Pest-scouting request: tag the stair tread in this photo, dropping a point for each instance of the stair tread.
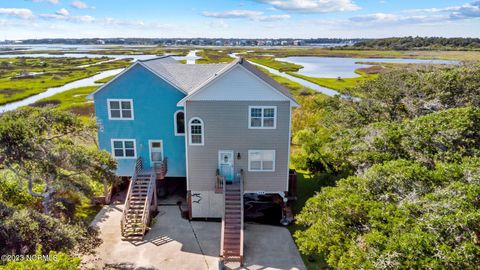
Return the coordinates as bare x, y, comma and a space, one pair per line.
231, 242
230, 251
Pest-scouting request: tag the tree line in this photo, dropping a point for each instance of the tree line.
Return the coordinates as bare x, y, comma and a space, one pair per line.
418, 43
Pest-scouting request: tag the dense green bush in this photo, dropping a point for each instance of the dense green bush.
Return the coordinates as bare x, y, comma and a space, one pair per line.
401, 214
14, 193
22, 231
445, 136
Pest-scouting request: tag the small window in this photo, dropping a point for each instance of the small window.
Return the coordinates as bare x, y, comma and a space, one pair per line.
120, 109
179, 121
261, 160
123, 148
262, 117
196, 131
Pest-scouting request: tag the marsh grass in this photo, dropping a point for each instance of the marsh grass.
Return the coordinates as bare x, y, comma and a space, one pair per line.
275, 64
74, 100
46, 73
340, 84
210, 56
328, 52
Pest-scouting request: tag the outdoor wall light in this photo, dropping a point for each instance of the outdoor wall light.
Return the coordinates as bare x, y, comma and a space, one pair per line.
238, 155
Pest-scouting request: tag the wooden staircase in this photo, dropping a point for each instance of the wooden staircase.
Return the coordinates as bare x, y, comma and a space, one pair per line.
232, 222
140, 203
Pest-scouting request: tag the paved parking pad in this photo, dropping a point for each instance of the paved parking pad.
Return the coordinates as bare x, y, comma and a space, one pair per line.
177, 244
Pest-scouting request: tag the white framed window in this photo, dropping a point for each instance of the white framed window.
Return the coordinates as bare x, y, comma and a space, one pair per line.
124, 148
179, 123
156, 150
196, 131
262, 117
120, 109
261, 160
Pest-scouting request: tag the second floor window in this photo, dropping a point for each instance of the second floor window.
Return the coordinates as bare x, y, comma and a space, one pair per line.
196, 131
262, 117
120, 109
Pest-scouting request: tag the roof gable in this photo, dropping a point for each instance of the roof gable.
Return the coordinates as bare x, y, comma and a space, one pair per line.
136, 64
240, 81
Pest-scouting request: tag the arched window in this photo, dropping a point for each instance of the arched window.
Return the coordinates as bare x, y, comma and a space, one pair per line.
179, 120
196, 131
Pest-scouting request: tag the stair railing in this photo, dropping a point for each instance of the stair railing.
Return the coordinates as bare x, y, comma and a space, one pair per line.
223, 184
148, 202
161, 168
219, 182
138, 168
241, 216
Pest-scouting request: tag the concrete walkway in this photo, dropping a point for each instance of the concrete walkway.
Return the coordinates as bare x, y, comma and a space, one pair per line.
176, 243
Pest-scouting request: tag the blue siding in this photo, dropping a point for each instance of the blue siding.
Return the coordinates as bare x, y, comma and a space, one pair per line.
154, 103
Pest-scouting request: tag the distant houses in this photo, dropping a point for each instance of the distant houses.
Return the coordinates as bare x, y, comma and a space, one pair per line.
227, 42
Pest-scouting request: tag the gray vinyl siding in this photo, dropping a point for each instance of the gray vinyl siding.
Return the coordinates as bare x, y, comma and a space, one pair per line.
226, 128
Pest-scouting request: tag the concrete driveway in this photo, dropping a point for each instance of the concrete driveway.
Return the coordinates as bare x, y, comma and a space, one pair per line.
176, 243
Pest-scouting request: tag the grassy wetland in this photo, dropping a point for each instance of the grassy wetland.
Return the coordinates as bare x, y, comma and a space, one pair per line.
24, 77
74, 100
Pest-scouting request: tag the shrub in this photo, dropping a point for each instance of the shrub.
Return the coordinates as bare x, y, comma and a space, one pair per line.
22, 231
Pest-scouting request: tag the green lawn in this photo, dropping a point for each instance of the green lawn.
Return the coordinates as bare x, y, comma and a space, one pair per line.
51, 72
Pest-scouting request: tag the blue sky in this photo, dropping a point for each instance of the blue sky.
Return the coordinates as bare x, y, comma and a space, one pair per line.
20, 19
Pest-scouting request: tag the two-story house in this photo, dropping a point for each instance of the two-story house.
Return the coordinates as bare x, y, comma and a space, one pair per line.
223, 128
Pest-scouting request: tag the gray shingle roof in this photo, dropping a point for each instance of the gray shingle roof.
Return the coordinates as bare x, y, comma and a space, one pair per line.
191, 78
185, 77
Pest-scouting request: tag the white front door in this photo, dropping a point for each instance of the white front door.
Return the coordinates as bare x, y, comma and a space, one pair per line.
156, 151
225, 164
